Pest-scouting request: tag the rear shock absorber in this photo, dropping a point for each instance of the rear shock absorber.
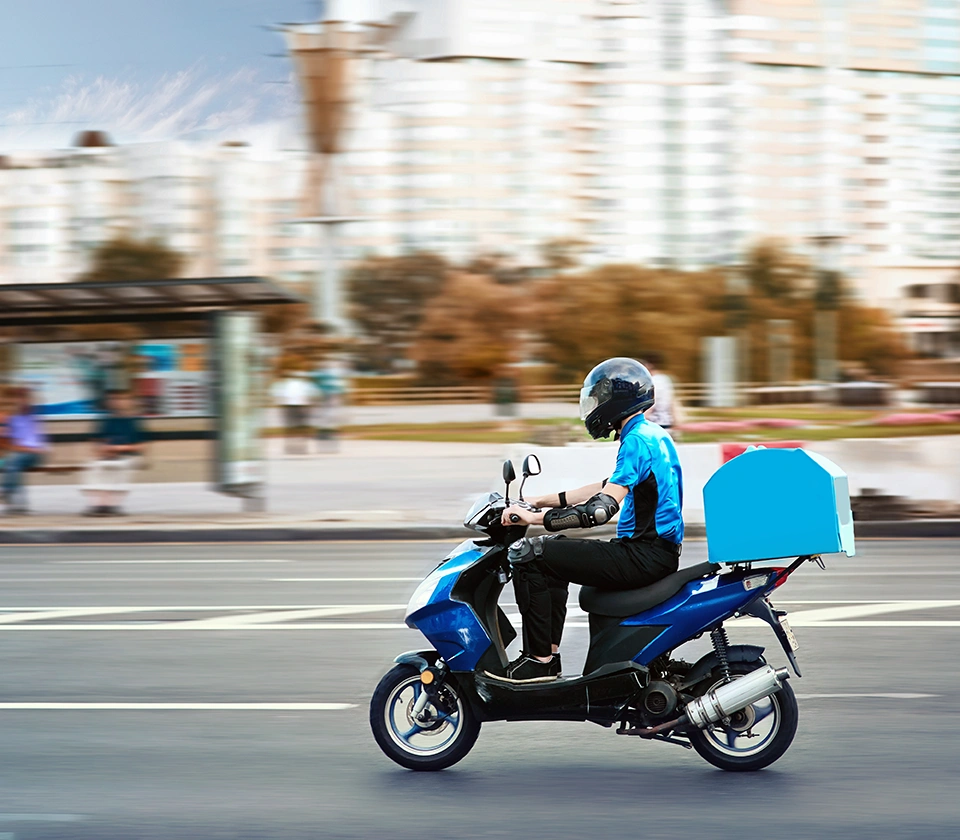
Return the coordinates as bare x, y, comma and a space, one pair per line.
720, 644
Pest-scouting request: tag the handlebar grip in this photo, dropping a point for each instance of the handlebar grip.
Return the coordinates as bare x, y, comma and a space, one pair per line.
514, 517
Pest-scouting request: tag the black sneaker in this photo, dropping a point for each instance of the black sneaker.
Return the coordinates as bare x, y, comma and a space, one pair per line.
527, 669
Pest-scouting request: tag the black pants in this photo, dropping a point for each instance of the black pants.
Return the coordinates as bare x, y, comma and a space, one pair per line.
541, 585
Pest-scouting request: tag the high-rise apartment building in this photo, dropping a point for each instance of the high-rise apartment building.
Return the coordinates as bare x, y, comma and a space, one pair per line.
678, 132
654, 131
230, 210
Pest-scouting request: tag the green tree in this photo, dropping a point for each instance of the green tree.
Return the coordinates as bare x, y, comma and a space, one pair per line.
387, 297
124, 259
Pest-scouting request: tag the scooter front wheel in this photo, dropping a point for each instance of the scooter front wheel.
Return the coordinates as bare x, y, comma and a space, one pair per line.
444, 731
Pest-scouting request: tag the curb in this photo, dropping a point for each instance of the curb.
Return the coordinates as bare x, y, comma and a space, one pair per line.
905, 529
227, 534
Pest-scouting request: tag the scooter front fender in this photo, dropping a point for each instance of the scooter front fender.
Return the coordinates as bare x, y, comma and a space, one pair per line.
420, 659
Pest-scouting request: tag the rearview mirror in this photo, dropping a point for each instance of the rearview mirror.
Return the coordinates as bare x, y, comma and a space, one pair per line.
531, 465
509, 474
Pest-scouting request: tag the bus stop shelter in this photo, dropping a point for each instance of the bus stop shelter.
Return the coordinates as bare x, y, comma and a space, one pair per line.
225, 311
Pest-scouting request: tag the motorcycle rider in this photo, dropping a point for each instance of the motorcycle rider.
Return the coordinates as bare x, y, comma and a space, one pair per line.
646, 487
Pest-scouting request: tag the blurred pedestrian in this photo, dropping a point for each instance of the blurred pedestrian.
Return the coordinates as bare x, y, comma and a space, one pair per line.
118, 441
665, 410
295, 395
329, 385
26, 447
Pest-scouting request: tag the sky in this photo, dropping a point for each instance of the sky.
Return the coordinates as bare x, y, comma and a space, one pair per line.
147, 70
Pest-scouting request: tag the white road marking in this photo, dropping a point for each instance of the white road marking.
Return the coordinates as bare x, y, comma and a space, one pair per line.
40, 818
304, 616
179, 707
174, 626
863, 610
345, 580
199, 608
237, 622
164, 562
868, 696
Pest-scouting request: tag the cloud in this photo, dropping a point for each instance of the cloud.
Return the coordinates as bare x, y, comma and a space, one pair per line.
191, 103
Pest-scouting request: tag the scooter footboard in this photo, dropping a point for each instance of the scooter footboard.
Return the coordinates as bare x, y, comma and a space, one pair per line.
599, 699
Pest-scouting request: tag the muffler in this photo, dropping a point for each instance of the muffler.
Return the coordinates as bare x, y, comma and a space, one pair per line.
731, 697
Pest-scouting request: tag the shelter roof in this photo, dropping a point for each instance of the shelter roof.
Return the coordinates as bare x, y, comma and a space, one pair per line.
22, 304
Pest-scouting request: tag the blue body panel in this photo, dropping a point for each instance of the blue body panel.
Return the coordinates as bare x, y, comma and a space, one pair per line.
701, 604
457, 634
451, 626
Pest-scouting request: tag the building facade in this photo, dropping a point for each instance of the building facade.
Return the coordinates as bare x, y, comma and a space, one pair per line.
663, 132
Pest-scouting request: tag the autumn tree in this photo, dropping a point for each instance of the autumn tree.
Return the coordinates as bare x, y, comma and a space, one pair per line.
387, 296
869, 336
772, 271
626, 310
562, 253
124, 259
468, 332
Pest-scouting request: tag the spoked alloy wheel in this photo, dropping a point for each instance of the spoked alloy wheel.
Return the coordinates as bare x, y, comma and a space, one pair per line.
441, 737
755, 736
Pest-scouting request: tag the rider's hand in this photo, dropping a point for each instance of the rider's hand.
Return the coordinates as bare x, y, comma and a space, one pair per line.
526, 517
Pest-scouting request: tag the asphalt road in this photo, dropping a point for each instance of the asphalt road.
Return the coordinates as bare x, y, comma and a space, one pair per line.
229, 636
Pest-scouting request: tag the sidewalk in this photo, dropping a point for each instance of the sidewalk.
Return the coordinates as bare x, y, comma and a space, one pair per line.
364, 486
364, 490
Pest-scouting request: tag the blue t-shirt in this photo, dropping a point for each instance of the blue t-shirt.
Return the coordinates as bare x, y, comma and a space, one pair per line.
648, 465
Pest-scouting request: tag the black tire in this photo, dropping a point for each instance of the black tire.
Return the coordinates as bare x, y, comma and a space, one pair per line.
786, 716
388, 700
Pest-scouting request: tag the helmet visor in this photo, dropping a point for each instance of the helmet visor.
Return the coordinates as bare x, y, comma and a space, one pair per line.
588, 402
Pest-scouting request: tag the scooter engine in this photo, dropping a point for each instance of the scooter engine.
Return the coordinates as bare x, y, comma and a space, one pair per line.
659, 699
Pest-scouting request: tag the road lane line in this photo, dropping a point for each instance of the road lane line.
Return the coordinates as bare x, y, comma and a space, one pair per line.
200, 608
186, 626
162, 562
864, 610
40, 818
178, 707
234, 622
879, 696
345, 580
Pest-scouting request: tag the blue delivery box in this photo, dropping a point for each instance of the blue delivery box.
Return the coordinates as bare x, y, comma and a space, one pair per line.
775, 503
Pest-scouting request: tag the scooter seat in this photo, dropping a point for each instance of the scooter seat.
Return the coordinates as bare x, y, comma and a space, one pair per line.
621, 603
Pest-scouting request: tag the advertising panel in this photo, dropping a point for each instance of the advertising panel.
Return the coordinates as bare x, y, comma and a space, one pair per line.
240, 401
169, 378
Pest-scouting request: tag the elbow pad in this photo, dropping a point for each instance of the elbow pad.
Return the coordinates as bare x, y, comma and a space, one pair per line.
597, 510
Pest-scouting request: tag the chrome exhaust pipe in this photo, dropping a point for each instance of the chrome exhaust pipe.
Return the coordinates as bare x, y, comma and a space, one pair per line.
731, 697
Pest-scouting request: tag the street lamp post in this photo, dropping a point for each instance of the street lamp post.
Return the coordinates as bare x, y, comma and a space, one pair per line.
325, 56
826, 302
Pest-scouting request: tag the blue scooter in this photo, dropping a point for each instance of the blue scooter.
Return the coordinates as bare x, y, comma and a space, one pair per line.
735, 710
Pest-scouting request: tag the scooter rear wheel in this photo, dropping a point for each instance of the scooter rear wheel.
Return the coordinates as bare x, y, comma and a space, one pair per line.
441, 739
757, 736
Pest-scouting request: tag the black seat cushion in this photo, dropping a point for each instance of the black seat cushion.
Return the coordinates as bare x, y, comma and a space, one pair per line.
619, 604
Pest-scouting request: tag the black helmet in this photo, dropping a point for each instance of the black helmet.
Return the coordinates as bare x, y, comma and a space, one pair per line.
613, 390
